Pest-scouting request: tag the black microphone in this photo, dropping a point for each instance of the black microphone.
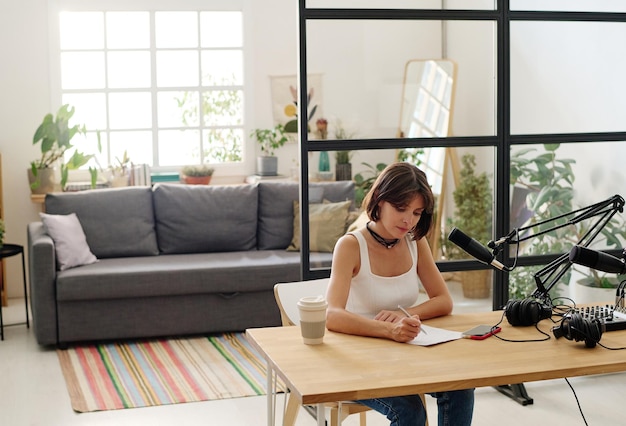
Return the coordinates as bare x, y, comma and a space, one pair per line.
474, 248
597, 260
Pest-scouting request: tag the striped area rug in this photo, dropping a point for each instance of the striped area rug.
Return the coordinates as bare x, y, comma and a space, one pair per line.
158, 372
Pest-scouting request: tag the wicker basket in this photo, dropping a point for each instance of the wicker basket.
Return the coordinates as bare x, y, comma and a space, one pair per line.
476, 284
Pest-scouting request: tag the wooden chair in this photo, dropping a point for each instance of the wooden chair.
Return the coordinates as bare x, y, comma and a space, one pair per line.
287, 296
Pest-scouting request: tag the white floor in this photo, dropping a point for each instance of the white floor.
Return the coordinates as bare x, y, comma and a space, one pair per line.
33, 393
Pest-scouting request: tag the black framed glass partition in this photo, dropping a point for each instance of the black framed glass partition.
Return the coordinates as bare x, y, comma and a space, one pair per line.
521, 82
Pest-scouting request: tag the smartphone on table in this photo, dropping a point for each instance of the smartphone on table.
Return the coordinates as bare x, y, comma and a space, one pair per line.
480, 332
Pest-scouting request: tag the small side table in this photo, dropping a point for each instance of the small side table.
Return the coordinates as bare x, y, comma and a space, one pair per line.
8, 250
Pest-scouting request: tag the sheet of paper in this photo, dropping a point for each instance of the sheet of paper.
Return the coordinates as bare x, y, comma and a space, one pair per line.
434, 336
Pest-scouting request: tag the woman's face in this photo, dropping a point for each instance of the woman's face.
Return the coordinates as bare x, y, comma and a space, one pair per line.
399, 220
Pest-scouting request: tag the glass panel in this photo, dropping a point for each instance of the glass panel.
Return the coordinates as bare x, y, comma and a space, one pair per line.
569, 5
130, 110
178, 147
221, 29
223, 145
403, 4
185, 35
222, 107
81, 30
566, 77
222, 67
129, 69
138, 145
82, 70
553, 180
128, 30
177, 68
177, 109
90, 109
356, 57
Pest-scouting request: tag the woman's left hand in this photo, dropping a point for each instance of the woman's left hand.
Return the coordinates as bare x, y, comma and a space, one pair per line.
389, 316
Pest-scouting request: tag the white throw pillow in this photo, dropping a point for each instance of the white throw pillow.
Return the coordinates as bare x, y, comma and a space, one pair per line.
69, 240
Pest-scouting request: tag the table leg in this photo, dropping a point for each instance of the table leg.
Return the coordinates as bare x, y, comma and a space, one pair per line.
321, 415
271, 395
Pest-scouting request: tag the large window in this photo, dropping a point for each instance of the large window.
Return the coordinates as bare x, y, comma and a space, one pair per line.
166, 86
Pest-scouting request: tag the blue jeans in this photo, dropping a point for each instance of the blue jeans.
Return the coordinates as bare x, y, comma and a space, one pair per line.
455, 408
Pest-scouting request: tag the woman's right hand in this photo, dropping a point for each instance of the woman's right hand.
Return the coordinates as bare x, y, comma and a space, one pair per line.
406, 329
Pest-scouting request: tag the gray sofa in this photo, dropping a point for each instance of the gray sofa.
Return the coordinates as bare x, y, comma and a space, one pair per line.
172, 260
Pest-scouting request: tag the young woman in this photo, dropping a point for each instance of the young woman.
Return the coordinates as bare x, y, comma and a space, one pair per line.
378, 268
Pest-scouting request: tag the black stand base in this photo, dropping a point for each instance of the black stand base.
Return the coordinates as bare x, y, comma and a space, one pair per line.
516, 392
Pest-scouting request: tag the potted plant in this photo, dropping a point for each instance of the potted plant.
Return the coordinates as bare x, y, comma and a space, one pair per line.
343, 166
197, 174
120, 171
55, 135
269, 140
473, 216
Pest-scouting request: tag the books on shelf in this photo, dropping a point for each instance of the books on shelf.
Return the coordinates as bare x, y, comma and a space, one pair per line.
140, 175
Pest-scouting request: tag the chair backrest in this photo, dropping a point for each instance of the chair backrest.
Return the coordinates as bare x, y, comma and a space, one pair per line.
288, 294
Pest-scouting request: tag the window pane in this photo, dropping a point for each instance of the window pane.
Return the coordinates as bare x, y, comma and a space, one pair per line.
176, 29
90, 109
566, 77
577, 6
130, 110
223, 145
129, 69
177, 109
179, 147
81, 30
221, 29
222, 107
222, 67
138, 145
356, 57
84, 70
177, 68
128, 30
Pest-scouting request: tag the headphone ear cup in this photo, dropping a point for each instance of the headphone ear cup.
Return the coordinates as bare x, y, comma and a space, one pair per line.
511, 311
575, 327
526, 312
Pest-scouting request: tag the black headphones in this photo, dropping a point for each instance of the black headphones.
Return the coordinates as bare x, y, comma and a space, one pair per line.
575, 327
526, 312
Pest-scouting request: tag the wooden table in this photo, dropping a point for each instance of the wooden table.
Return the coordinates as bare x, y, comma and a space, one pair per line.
349, 367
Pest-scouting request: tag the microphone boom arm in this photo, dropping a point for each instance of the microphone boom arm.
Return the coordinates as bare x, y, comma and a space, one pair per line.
553, 271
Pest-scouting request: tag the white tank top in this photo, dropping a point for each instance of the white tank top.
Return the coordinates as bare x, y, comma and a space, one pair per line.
369, 293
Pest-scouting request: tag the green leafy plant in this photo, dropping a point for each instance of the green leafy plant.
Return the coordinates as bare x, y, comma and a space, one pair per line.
363, 181
270, 139
474, 206
55, 135
343, 157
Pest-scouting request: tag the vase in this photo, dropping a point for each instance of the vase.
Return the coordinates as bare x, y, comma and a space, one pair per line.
267, 166
44, 182
324, 162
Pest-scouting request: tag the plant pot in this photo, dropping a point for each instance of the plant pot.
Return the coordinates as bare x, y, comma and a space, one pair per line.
584, 292
119, 181
44, 182
343, 171
267, 166
197, 180
476, 284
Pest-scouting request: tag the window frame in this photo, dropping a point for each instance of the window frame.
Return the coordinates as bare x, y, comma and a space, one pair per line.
56, 93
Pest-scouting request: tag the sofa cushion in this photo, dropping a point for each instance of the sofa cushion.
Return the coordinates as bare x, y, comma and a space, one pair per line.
276, 208
70, 243
205, 219
117, 222
327, 223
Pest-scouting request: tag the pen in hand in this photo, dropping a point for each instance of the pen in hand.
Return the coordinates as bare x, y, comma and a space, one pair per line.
409, 316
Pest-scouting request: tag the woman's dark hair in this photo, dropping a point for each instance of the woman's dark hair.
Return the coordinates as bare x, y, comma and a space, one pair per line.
398, 184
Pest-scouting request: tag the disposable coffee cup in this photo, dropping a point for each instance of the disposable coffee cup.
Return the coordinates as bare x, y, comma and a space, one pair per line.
313, 319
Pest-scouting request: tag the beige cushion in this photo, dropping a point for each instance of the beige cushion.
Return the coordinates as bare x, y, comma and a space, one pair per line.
327, 223
359, 222
69, 239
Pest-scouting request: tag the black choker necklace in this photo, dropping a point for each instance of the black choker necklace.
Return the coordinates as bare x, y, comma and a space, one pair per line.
387, 243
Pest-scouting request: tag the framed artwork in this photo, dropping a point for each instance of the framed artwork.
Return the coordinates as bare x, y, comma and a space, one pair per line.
285, 100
